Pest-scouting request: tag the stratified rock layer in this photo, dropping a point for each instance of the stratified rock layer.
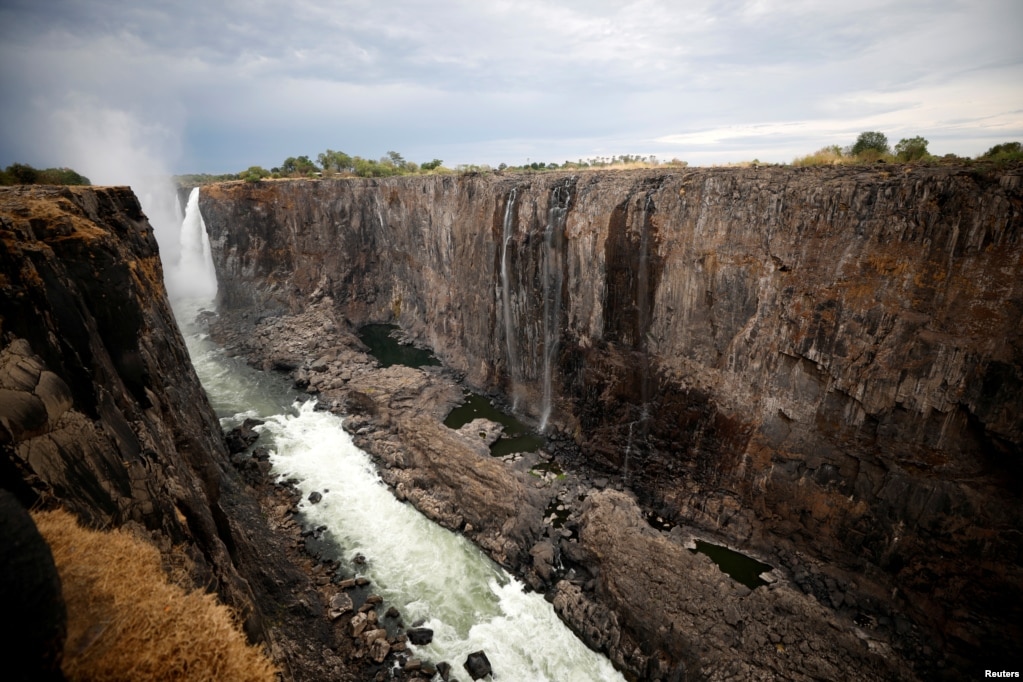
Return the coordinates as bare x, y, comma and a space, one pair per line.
826, 362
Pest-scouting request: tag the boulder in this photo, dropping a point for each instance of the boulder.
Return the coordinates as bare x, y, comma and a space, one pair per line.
359, 622
420, 636
477, 665
340, 604
378, 649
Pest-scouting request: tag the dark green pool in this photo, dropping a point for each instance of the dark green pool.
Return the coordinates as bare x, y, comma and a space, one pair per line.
517, 437
385, 347
739, 566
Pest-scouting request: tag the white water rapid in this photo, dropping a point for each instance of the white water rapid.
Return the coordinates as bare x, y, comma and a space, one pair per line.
425, 571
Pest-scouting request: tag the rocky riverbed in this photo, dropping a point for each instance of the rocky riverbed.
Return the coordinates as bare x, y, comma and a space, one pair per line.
635, 592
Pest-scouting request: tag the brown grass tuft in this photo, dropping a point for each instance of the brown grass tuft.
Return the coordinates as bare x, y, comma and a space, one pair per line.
127, 622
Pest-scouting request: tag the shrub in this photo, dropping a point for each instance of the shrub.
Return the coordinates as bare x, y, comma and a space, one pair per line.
127, 622
254, 174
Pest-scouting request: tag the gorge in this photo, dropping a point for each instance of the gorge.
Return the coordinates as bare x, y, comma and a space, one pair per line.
821, 367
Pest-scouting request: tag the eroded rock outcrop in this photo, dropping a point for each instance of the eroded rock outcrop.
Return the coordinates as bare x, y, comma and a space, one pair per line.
816, 362
102, 414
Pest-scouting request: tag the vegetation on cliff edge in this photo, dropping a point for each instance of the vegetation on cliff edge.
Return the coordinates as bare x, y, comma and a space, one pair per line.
24, 174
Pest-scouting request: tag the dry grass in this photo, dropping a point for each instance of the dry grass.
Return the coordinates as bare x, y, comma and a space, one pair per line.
127, 622
827, 156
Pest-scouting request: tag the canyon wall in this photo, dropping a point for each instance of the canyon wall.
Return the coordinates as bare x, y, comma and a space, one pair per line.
101, 412
820, 362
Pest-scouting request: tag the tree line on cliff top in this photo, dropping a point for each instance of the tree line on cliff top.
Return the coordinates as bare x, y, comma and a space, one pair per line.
332, 163
24, 174
869, 147
872, 146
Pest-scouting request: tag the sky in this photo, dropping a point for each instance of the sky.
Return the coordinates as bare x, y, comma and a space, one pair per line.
113, 88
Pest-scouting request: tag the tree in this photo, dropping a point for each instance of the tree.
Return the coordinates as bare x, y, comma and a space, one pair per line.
23, 174
431, 165
870, 141
338, 162
397, 160
300, 166
911, 149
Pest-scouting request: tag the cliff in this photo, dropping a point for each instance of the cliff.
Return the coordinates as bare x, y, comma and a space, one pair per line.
102, 414
821, 362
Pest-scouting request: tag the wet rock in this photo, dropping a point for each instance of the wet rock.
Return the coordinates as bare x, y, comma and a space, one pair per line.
241, 437
420, 636
444, 670
315, 497
477, 665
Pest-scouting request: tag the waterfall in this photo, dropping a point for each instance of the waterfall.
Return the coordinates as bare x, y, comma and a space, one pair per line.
554, 237
509, 329
192, 276
643, 304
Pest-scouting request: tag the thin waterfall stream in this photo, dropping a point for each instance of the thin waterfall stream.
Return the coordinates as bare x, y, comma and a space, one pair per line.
427, 572
554, 237
509, 325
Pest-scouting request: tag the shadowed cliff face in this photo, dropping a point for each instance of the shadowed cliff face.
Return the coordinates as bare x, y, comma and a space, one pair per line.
102, 414
824, 360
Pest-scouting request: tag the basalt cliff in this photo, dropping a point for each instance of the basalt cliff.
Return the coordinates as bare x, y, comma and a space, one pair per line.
101, 414
823, 366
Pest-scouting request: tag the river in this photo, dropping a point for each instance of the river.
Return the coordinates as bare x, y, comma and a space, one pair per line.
427, 572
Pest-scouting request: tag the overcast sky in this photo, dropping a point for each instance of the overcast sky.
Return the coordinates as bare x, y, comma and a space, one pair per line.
217, 86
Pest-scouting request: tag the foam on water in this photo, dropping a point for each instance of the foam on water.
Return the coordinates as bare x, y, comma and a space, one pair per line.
426, 571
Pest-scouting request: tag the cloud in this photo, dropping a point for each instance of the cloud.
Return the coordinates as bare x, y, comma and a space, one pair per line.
250, 83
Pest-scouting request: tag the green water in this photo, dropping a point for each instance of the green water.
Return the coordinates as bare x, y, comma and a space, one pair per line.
739, 566
517, 437
386, 349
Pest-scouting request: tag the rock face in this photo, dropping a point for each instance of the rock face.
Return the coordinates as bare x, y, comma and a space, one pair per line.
812, 362
101, 412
